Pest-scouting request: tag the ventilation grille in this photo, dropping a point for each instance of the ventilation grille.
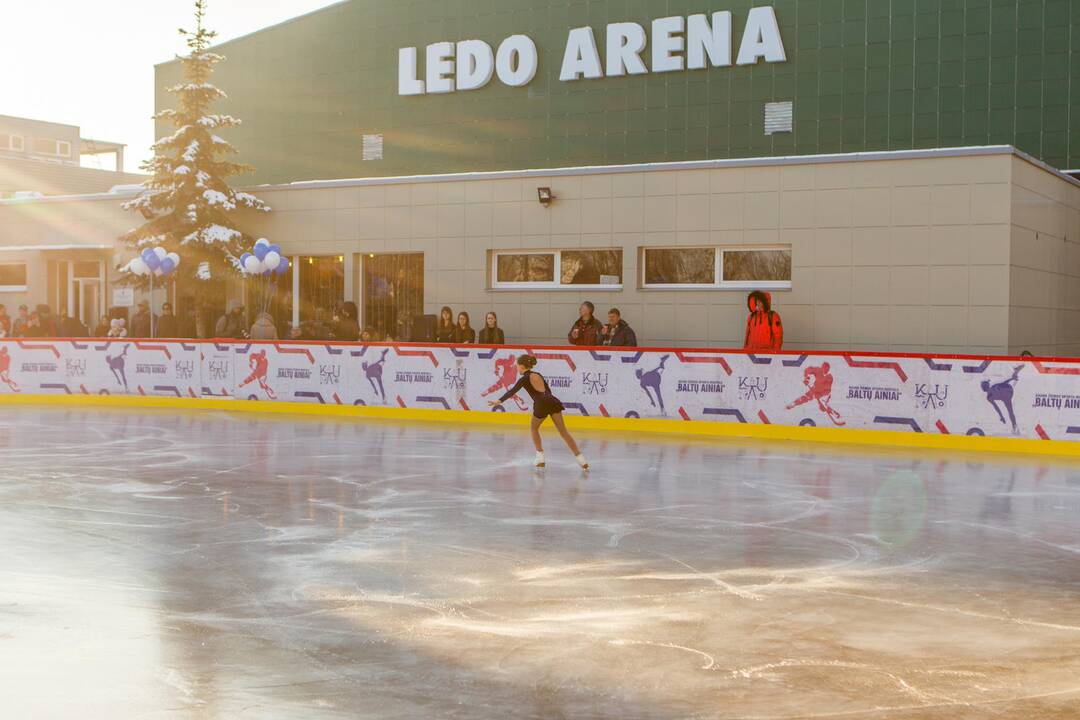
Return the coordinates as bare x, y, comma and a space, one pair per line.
779, 117
373, 147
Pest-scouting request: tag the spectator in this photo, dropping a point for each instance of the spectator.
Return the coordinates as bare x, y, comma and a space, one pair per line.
369, 335
5, 323
34, 328
167, 324
186, 324
18, 327
142, 321
48, 321
264, 328
117, 329
231, 324
764, 331
464, 333
348, 327
585, 331
102, 329
617, 333
492, 334
445, 331
71, 327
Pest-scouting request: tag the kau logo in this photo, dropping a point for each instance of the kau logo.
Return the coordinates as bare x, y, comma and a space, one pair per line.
329, 374
931, 397
455, 378
185, 369
218, 369
751, 388
76, 367
595, 383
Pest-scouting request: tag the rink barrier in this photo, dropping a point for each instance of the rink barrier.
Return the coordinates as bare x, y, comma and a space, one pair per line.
938, 402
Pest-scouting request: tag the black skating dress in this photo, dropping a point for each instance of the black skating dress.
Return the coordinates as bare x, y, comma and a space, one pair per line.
544, 403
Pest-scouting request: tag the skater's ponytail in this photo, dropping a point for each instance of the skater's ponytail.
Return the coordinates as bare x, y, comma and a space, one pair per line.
527, 361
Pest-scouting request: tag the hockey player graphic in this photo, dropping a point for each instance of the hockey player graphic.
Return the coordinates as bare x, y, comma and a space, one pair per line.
507, 373
5, 368
819, 383
260, 366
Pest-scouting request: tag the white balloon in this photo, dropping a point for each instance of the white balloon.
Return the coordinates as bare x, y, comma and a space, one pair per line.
272, 260
138, 267
158, 273
175, 259
161, 253
253, 265
262, 241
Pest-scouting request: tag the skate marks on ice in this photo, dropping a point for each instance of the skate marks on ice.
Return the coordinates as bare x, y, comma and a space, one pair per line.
311, 569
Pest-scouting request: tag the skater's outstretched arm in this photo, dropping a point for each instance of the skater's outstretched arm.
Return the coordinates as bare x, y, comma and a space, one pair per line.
512, 391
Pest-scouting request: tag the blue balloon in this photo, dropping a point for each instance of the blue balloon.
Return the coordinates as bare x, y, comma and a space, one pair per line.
167, 266
274, 248
151, 259
283, 267
243, 258
261, 250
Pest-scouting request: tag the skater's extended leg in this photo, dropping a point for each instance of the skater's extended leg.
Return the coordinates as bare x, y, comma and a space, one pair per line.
560, 425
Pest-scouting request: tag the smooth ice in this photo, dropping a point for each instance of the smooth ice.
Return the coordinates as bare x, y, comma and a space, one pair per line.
155, 565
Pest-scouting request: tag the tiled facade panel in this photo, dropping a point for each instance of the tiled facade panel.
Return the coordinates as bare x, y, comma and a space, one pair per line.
863, 74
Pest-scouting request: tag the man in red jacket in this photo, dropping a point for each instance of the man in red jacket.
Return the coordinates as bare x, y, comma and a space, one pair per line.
764, 331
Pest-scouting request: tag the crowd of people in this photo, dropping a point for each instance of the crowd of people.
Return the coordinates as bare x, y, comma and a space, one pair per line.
764, 330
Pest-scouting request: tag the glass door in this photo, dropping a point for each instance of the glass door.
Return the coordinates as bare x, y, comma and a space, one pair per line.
393, 293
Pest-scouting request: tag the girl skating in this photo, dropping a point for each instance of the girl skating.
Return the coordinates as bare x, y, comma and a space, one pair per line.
545, 405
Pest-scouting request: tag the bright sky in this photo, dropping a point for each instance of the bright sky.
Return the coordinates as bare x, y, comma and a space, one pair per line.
91, 64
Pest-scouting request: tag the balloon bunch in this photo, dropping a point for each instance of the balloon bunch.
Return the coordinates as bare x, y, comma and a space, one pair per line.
155, 262
264, 259
264, 264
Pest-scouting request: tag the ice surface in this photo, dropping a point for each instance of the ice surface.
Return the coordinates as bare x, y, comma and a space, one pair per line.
202, 566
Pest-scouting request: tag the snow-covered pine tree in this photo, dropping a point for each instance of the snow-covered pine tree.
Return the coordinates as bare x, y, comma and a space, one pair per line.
188, 203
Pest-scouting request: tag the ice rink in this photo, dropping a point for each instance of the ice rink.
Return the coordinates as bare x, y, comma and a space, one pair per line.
160, 565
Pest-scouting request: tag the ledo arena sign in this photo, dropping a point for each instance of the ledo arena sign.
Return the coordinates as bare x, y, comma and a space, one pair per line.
677, 43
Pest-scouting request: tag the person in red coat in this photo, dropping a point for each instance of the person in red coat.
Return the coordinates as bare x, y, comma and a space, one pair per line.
764, 331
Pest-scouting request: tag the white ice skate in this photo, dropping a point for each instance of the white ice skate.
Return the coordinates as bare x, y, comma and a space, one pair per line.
582, 462
539, 461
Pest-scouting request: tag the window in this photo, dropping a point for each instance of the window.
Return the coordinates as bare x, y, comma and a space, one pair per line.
557, 269
13, 277
372, 147
779, 117
48, 146
11, 142
766, 268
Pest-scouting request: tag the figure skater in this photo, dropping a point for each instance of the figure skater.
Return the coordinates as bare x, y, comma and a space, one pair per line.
507, 373
5, 368
260, 366
374, 371
116, 364
1003, 393
650, 383
545, 405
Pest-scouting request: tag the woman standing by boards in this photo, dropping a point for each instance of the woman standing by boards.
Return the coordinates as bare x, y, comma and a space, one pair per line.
492, 334
545, 405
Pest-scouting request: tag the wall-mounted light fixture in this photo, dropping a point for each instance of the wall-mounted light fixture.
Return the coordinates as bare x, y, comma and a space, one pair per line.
546, 196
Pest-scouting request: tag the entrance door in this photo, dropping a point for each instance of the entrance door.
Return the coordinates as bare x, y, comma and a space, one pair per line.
89, 310
393, 292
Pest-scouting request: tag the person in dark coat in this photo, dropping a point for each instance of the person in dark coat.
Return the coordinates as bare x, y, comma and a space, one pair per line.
446, 331
464, 333
34, 328
232, 323
586, 331
141, 322
186, 325
492, 334
71, 327
347, 328
764, 331
617, 333
167, 324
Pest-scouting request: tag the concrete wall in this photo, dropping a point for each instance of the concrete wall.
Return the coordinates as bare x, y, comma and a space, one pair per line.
1044, 273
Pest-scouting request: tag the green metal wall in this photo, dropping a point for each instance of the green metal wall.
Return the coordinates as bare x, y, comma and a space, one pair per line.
864, 75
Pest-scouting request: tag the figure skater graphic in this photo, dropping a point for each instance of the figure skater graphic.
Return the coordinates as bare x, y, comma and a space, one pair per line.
506, 371
545, 405
116, 364
1003, 393
650, 383
819, 382
374, 371
260, 366
5, 368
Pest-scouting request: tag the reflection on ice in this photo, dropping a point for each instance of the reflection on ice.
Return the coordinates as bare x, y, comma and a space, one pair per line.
210, 566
